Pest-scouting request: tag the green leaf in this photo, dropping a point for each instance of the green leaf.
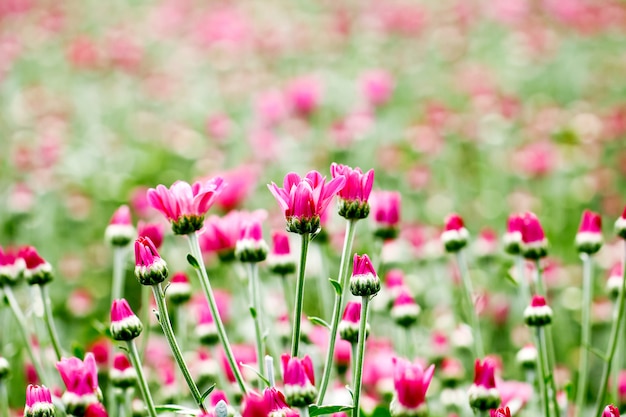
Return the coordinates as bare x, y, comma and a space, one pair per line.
207, 392
178, 409
336, 285
261, 377
78, 350
319, 321
510, 278
193, 261
253, 312
315, 410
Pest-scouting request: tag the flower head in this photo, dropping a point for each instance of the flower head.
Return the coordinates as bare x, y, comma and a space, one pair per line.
377, 87
120, 231
179, 290
81, 383
38, 270
534, 242
538, 313
405, 310
500, 412
125, 325
38, 402
122, 374
96, 410
280, 259
304, 200
411, 382
513, 237
270, 404
589, 236
483, 394
206, 329
299, 380
455, 235
185, 205
353, 197
150, 269
615, 280
386, 209
364, 280
152, 230
349, 324
12, 267
610, 411
250, 246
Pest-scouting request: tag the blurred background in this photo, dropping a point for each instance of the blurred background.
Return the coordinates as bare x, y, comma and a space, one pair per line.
479, 107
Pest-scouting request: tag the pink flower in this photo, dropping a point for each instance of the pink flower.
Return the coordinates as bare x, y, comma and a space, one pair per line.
483, 394
303, 96
304, 200
411, 382
349, 325
206, 329
377, 87
364, 280
241, 182
12, 266
179, 290
455, 235
221, 234
125, 325
95, 410
513, 237
589, 236
534, 242
38, 270
272, 403
81, 382
38, 401
386, 208
271, 108
514, 394
355, 193
186, 205
500, 412
150, 269
152, 230
219, 126
251, 246
405, 310
610, 411
299, 380
120, 231
484, 373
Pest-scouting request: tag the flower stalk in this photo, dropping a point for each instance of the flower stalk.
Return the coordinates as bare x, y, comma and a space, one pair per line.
358, 371
141, 379
255, 301
583, 367
297, 311
471, 314
49, 321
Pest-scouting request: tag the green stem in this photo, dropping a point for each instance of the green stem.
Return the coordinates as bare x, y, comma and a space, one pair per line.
471, 313
542, 364
117, 286
338, 307
166, 325
208, 292
548, 340
255, 301
49, 321
354, 351
618, 317
145, 317
4, 400
21, 321
358, 372
297, 311
141, 379
583, 367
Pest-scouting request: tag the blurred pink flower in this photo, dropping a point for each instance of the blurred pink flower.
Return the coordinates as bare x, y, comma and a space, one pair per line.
271, 108
303, 95
224, 25
83, 53
536, 159
241, 182
377, 86
219, 127
123, 52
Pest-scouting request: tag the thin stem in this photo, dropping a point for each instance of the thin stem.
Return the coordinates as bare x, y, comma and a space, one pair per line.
141, 378
353, 352
49, 321
542, 364
471, 314
166, 325
253, 285
297, 311
21, 320
208, 292
583, 366
549, 342
145, 317
4, 401
618, 317
269, 369
338, 307
358, 372
117, 286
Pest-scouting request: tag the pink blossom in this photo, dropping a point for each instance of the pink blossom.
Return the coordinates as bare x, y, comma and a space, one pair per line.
377, 87
80, 378
591, 222
38, 396
610, 411
358, 185
219, 127
386, 209
96, 410
297, 371
154, 231
484, 373
303, 96
271, 108
411, 382
241, 182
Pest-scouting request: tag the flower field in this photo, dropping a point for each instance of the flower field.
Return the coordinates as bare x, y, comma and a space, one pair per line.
209, 204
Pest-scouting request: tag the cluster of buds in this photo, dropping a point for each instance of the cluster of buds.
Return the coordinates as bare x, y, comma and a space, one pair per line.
483, 394
364, 281
349, 324
538, 313
299, 380
81, 383
280, 260
455, 235
251, 247
120, 231
411, 382
150, 268
125, 325
353, 197
589, 237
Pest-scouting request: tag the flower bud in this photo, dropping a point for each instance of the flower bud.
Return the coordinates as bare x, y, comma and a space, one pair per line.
527, 357
483, 394
610, 411
452, 372
620, 225
150, 269
349, 324
120, 231
405, 310
5, 369
125, 325
455, 235
251, 247
364, 281
38, 271
538, 313
386, 210
122, 374
206, 330
280, 259
12, 267
353, 197
589, 237
534, 242
179, 290
38, 402
615, 281
512, 239
299, 380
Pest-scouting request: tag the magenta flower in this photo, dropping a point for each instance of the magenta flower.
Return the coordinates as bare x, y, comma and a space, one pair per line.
152, 230
538, 313
483, 394
303, 96
12, 266
38, 270
500, 412
125, 325
610, 411
299, 380
355, 193
185, 205
38, 402
455, 235
411, 382
122, 374
405, 310
386, 209
150, 269
280, 259
120, 231
589, 236
513, 237
364, 281
250, 246
534, 242
206, 329
270, 404
96, 410
304, 200
81, 383
349, 324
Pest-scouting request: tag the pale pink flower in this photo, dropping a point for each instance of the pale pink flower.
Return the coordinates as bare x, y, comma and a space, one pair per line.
377, 87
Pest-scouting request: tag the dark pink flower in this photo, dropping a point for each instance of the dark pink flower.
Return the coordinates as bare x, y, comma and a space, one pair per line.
355, 193
81, 381
411, 382
96, 410
386, 209
154, 231
304, 200
150, 268
349, 324
455, 235
610, 411
185, 205
38, 270
303, 96
484, 373
483, 394
534, 242
125, 325
500, 412
299, 380
364, 280
120, 231
38, 400
513, 237
12, 266
589, 237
